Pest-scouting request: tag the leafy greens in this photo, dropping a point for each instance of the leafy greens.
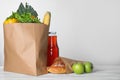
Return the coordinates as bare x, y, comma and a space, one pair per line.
25, 14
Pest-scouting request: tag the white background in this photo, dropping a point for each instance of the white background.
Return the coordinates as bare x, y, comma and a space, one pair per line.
86, 29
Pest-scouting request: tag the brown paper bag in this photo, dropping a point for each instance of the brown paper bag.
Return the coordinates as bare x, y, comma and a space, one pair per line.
62, 65
25, 48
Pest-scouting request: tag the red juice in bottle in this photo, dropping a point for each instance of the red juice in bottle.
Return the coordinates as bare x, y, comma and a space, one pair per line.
53, 50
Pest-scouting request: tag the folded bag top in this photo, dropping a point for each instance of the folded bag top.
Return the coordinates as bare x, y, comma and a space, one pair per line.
25, 48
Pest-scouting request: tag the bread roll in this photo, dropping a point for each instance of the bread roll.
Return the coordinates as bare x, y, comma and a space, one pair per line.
62, 65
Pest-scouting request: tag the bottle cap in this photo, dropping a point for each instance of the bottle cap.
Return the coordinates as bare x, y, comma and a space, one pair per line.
52, 33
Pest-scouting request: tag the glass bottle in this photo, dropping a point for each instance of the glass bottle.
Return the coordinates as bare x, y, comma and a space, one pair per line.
53, 50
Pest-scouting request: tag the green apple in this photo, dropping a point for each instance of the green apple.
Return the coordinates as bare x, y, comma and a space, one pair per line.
88, 67
78, 68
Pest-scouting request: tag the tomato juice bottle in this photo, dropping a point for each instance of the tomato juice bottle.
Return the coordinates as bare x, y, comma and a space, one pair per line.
53, 50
